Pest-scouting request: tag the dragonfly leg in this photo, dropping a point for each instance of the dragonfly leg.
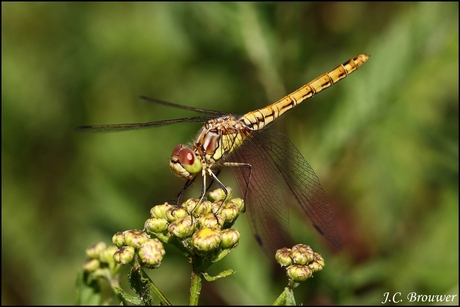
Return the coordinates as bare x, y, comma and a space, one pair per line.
221, 185
212, 179
187, 185
203, 188
249, 166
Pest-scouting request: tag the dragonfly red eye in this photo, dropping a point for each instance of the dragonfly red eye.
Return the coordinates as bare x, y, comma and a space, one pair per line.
186, 156
184, 162
177, 149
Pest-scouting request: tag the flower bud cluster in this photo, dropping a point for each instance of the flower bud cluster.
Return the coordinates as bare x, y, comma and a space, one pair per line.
99, 258
300, 262
200, 227
136, 242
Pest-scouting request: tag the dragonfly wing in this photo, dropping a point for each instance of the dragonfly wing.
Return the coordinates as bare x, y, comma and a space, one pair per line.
124, 127
179, 106
264, 197
281, 177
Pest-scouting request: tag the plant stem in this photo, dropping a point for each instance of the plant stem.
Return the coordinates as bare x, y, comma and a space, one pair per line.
195, 288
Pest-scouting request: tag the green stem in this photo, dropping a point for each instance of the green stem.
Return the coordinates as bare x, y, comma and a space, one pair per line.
195, 288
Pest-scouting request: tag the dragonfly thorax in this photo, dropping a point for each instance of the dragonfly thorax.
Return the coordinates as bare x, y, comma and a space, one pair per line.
219, 137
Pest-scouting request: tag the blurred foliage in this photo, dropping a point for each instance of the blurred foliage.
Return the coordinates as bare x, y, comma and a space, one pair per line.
384, 142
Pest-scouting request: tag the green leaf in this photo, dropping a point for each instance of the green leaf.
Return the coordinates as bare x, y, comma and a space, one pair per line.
144, 287
88, 290
129, 298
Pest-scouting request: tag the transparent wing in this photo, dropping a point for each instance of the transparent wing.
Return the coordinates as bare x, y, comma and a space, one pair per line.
179, 106
280, 177
133, 126
124, 127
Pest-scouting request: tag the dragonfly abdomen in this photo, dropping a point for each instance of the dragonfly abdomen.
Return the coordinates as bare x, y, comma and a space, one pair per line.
260, 118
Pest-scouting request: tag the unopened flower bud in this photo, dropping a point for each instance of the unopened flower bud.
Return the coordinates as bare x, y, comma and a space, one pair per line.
318, 263
207, 239
239, 203
155, 225
229, 212
124, 255
159, 211
176, 213
197, 208
211, 220
135, 237
91, 265
298, 273
230, 238
190, 204
151, 252
106, 255
219, 194
95, 250
302, 254
182, 228
283, 256
119, 239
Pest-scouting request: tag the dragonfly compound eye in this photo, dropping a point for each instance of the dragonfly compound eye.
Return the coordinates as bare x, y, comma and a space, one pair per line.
177, 149
186, 157
184, 161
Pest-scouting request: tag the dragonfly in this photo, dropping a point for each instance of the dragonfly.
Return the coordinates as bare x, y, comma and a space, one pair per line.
270, 171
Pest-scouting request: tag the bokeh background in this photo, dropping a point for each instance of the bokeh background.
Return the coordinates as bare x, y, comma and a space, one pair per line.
384, 142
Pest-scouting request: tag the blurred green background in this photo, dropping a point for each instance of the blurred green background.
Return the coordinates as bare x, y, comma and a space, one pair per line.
384, 142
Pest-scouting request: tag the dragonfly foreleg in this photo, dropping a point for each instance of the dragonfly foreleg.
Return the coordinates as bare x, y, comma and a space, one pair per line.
239, 164
220, 184
187, 185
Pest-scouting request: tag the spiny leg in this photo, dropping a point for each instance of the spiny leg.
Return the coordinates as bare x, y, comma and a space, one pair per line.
239, 164
187, 185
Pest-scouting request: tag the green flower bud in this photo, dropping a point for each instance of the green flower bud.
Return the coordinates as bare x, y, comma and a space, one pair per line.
190, 204
175, 213
218, 194
207, 239
95, 250
211, 220
230, 238
302, 254
283, 256
239, 203
124, 255
182, 228
155, 225
216, 206
229, 212
91, 265
194, 207
151, 253
318, 263
106, 255
118, 239
135, 237
298, 273
158, 211
164, 237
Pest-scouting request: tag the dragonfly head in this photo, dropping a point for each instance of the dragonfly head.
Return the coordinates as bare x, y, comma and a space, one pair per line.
184, 162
